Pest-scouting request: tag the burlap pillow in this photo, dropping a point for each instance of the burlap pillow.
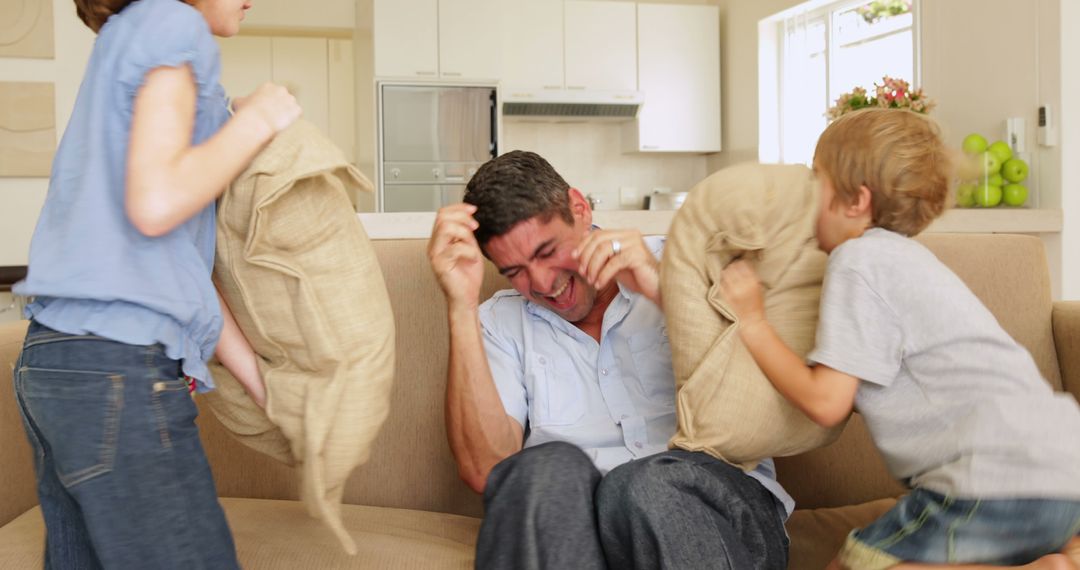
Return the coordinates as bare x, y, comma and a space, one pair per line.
302, 279
726, 406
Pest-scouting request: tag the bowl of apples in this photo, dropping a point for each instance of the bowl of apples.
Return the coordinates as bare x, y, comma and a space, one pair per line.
991, 176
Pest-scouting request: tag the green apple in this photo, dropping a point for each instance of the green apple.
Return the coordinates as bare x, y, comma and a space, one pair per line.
990, 164
974, 143
987, 195
965, 195
1015, 194
995, 180
1014, 170
1001, 150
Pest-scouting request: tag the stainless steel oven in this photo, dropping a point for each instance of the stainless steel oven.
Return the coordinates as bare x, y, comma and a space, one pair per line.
432, 138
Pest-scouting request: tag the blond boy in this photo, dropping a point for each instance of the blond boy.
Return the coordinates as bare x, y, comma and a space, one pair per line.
958, 409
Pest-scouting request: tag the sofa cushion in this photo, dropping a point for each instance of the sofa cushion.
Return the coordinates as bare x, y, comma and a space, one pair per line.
17, 480
273, 535
726, 406
818, 534
22, 541
304, 284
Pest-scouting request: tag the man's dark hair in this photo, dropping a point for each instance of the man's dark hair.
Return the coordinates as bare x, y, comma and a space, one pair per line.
513, 188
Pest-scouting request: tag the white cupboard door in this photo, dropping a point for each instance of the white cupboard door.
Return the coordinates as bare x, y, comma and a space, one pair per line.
532, 44
601, 45
407, 38
342, 102
300, 65
340, 14
469, 39
679, 75
245, 64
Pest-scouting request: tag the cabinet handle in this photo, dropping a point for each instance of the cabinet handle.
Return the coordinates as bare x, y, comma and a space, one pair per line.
452, 74
553, 87
523, 95
425, 73
575, 87
649, 147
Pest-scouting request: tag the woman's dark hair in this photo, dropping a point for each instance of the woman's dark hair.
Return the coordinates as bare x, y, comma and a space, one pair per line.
513, 188
94, 13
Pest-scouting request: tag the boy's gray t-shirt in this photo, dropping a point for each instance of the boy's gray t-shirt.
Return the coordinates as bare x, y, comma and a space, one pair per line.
954, 404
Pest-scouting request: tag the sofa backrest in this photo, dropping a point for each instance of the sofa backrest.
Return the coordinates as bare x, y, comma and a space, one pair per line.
411, 465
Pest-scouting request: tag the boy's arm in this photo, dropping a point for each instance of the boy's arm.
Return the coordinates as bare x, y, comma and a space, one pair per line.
825, 395
236, 354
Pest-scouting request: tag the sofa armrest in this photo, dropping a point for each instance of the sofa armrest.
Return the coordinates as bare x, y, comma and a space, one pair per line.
1066, 319
17, 482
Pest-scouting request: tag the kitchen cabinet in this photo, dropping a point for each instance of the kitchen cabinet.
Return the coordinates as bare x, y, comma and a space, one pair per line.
574, 45
317, 71
331, 14
532, 45
678, 50
449, 40
600, 45
407, 38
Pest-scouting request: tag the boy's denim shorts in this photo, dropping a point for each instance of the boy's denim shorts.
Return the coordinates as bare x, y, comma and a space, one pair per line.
928, 527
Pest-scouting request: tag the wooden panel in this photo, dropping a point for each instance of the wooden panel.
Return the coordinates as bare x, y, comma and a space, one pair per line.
27, 129
26, 28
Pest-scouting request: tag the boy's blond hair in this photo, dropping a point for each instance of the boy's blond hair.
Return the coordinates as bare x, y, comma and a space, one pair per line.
898, 155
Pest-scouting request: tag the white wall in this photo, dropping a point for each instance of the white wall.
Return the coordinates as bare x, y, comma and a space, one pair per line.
1069, 120
21, 198
589, 156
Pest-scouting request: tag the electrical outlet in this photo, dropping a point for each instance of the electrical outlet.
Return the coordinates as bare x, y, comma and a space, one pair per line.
629, 197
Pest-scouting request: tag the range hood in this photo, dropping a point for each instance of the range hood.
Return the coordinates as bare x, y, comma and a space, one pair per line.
572, 103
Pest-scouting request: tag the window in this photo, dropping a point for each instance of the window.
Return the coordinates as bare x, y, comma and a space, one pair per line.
813, 53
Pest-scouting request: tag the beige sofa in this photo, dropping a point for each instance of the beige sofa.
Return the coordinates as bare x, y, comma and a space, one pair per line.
407, 508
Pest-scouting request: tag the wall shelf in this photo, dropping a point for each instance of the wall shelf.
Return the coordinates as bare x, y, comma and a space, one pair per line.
999, 220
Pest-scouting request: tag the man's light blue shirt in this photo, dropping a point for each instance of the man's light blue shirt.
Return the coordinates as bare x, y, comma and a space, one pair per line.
614, 399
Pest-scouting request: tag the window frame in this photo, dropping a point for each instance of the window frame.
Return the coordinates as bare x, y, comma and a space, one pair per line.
771, 50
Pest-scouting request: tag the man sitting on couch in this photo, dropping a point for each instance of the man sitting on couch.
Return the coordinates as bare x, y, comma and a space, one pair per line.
568, 376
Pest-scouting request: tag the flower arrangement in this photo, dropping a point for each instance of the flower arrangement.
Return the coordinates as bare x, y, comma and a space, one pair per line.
871, 12
890, 93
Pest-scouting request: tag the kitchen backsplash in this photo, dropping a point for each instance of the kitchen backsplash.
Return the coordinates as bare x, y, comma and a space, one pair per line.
589, 156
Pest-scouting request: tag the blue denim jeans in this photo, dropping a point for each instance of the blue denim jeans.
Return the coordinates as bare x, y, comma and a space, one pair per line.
928, 527
122, 477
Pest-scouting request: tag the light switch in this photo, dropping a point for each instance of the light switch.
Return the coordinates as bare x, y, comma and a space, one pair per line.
629, 197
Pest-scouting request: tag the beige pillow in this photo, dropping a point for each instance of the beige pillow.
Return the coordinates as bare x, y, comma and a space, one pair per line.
301, 277
726, 406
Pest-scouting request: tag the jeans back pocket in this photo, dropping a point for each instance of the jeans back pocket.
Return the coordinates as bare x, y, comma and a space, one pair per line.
77, 413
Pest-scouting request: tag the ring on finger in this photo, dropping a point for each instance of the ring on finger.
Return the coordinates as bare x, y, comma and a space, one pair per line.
616, 247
